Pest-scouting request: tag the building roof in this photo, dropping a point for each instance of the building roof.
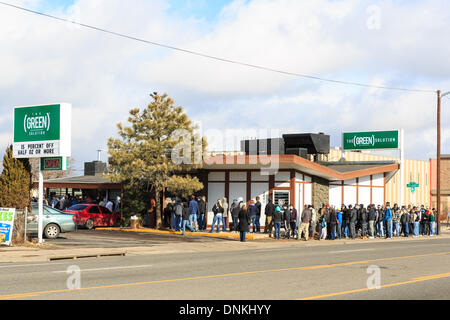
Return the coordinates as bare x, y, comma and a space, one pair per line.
330, 171
344, 167
82, 182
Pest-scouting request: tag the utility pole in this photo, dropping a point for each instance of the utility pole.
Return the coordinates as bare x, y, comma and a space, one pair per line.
438, 162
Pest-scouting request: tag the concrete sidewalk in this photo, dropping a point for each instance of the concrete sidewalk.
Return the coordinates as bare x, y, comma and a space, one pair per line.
47, 253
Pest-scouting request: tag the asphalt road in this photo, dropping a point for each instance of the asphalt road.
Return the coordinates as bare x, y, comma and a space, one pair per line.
83, 238
407, 270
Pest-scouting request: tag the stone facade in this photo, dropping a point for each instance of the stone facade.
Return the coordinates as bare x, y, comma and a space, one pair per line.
321, 192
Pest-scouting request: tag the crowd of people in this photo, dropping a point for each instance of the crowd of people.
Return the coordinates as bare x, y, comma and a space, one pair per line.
283, 220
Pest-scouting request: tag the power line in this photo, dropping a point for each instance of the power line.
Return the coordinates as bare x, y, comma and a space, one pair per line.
214, 57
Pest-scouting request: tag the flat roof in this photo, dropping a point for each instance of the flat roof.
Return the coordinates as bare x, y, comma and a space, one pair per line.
81, 182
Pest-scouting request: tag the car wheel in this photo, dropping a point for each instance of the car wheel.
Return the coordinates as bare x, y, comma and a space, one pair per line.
51, 231
89, 224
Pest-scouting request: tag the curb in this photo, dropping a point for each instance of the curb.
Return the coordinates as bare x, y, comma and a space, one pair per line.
80, 256
207, 234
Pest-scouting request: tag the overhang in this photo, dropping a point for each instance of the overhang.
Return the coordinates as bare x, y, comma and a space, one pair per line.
331, 172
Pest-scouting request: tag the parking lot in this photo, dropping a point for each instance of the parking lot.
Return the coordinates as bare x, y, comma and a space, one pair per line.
120, 239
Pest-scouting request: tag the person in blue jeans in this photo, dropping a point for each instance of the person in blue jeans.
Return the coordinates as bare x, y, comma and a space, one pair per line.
278, 219
186, 218
388, 220
258, 215
194, 211
218, 212
252, 212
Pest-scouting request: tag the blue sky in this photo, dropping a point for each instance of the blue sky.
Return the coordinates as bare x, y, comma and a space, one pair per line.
104, 76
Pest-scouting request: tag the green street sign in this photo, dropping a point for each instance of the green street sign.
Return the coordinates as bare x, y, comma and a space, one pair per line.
41, 131
371, 140
412, 186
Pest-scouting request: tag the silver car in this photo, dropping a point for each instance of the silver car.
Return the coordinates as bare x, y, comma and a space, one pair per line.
55, 222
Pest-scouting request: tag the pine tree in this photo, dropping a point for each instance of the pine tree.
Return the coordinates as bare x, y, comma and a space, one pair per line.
143, 155
15, 182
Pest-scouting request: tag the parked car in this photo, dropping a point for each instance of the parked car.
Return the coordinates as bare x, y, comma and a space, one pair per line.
93, 215
54, 222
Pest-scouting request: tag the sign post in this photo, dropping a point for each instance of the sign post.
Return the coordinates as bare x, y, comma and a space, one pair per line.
6, 225
378, 140
39, 132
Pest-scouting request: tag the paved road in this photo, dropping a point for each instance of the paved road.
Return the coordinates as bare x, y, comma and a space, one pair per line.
116, 239
408, 270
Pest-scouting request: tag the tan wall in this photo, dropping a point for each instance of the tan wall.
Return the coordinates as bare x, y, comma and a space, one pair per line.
414, 170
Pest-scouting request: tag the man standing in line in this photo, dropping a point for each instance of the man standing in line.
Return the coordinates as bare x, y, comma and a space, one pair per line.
372, 221
304, 226
269, 211
225, 214
312, 226
388, 219
380, 222
353, 218
193, 212
258, 215
202, 208
364, 219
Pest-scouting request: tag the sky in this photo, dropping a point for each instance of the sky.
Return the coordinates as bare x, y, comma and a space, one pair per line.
398, 43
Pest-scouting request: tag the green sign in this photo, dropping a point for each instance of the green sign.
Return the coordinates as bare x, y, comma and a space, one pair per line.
54, 164
37, 123
370, 140
42, 131
412, 186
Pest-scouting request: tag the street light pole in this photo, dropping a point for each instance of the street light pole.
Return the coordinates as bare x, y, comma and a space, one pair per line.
438, 164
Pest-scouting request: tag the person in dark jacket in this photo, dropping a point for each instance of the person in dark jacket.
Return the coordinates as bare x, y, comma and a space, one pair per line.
346, 220
363, 222
258, 215
405, 221
380, 223
353, 219
244, 222
333, 223
202, 217
277, 219
252, 212
372, 220
269, 211
235, 209
186, 215
293, 221
287, 221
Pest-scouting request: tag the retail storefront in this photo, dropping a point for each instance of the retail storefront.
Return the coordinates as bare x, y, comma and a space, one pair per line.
298, 181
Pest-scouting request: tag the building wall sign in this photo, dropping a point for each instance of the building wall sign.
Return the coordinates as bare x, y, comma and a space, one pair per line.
42, 131
371, 140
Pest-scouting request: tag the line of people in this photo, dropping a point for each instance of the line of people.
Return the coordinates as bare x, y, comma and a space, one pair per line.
354, 221
329, 222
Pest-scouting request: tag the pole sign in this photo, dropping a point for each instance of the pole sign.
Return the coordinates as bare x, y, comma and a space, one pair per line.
42, 131
6, 225
371, 140
54, 164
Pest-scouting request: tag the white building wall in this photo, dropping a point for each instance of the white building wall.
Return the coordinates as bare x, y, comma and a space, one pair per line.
336, 195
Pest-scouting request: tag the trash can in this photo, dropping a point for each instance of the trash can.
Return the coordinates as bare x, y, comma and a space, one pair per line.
134, 222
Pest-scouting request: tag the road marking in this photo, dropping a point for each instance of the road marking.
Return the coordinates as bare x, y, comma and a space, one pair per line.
414, 280
355, 250
32, 265
343, 264
109, 268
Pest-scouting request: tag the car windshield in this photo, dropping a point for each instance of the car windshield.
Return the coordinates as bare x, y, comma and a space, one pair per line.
77, 207
47, 209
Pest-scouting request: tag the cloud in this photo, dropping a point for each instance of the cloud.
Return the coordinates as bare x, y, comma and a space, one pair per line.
103, 76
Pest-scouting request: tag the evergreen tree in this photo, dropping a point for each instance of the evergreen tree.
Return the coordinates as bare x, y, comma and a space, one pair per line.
143, 156
15, 182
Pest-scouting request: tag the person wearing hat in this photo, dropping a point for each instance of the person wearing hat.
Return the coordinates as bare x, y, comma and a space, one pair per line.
277, 218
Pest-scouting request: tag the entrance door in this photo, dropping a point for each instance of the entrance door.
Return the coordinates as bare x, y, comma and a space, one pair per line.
281, 197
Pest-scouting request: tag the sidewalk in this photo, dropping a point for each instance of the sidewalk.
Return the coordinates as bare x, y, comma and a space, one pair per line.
47, 252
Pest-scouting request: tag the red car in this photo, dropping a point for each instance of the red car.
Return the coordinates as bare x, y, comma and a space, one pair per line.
93, 215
